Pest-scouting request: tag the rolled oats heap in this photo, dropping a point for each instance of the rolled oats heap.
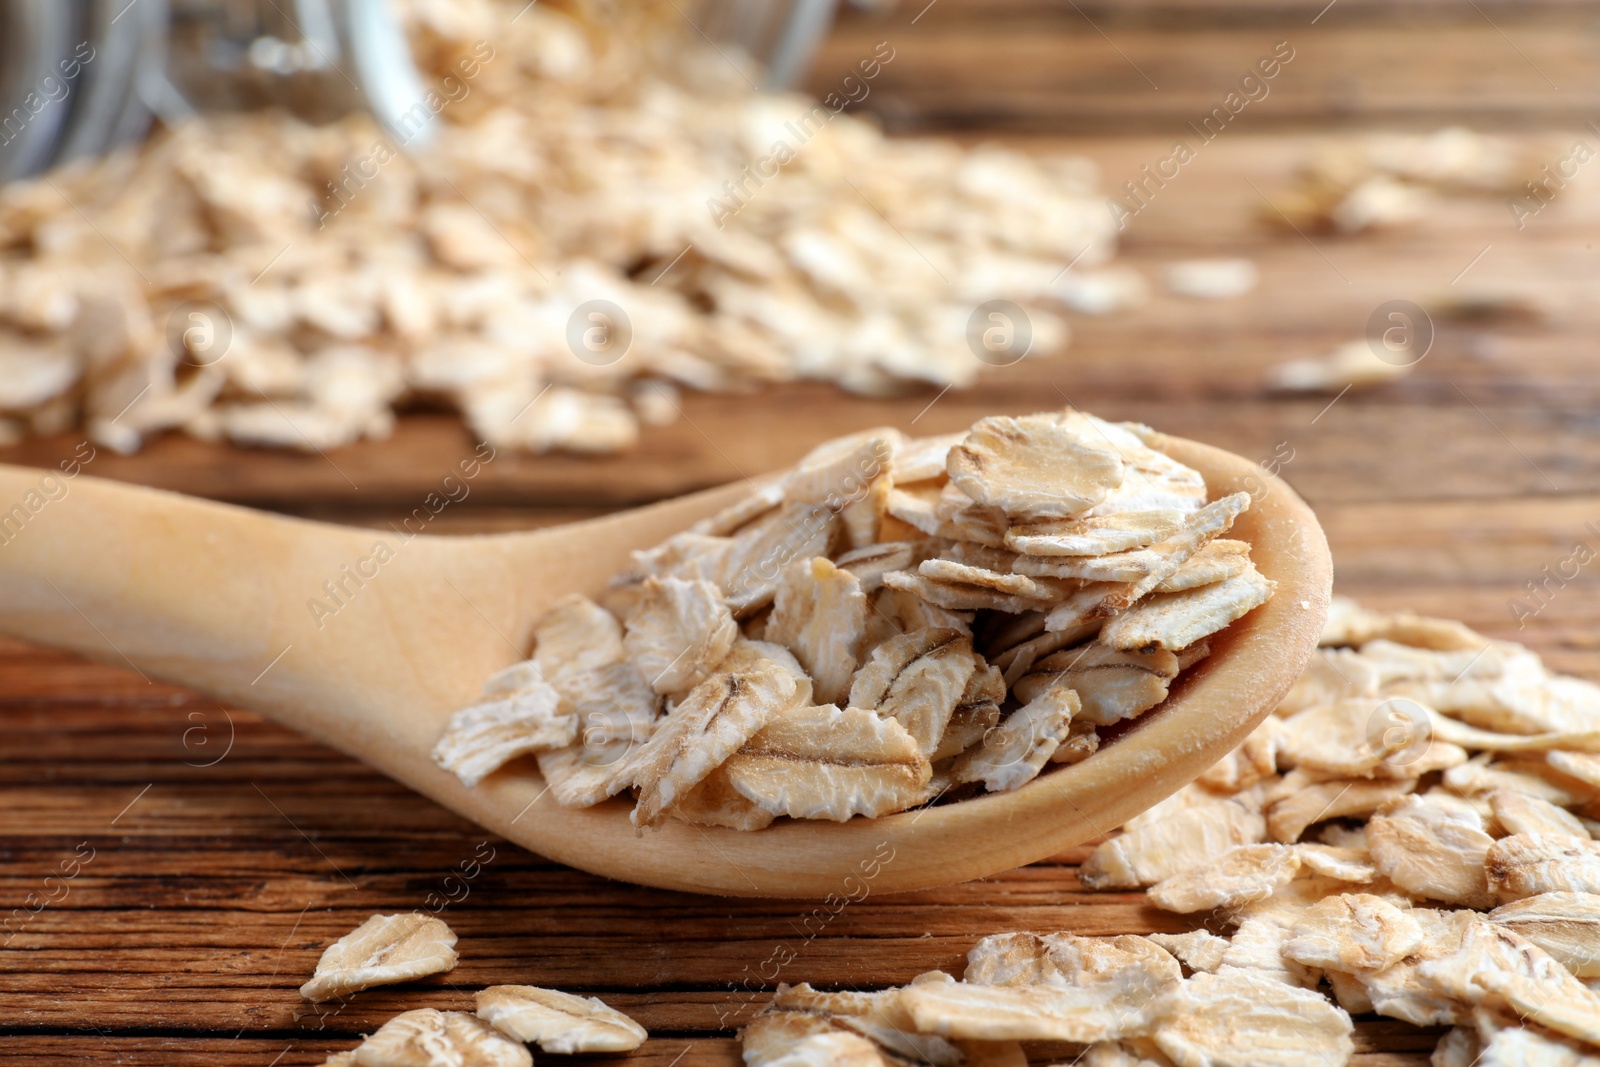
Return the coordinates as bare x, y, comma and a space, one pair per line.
583, 214
893, 622
1411, 835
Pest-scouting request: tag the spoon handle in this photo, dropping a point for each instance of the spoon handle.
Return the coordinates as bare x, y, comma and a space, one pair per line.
362, 638
199, 593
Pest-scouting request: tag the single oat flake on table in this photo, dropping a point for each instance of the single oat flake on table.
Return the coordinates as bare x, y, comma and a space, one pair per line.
894, 622
557, 1021
383, 950
1346, 860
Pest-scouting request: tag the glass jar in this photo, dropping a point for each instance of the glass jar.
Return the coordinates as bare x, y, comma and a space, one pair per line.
80, 77
779, 36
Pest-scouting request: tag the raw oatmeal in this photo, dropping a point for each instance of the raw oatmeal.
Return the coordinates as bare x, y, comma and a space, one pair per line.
892, 623
1410, 835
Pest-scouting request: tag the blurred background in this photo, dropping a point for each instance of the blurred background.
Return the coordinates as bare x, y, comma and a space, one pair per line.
305, 256
308, 256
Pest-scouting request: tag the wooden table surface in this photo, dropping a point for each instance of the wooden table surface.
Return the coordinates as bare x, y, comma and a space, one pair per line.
227, 852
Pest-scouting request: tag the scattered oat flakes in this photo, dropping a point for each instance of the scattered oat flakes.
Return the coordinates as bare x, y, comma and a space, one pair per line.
1238, 876
1523, 865
429, 1038
1333, 674
1564, 924
1497, 968
556, 1021
1459, 733
381, 951
876, 1016
1238, 1019
1484, 775
1350, 625
1398, 990
772, 1033
1580, 766
1353, 932
1095, 1011
1256, 947
1289, 816
1011, 959
1434, 846
1344, 864
1356, 364
1460, 1047
1388, 180
1210, 279
1161, 849
1519, 813
1253, 761
834, 1049
1511, 981
1502, 1041
1198, 950
1352, 738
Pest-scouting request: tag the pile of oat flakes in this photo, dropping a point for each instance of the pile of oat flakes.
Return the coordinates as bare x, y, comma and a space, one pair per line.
893, 622
581, 152
1410, 835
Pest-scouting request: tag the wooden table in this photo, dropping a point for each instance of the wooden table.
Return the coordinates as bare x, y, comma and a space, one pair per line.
226, 852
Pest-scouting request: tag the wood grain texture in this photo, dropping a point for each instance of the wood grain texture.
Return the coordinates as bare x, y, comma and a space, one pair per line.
1095, 67
213, 888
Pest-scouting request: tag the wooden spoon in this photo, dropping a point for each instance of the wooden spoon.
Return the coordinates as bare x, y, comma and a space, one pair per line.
219, 599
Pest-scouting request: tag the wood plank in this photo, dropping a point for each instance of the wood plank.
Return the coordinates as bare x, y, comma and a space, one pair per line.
1099, 67
209, 898
166, 1050
1369, 447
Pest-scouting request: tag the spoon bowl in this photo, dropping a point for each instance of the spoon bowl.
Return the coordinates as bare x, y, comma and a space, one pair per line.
369, 640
